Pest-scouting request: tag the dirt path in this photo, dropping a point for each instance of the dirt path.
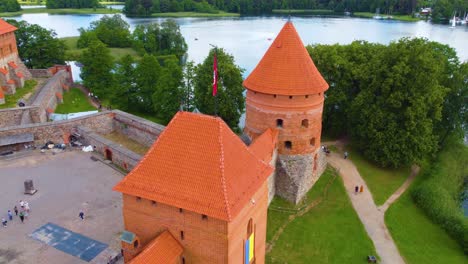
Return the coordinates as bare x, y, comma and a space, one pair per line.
369, 214
401, 190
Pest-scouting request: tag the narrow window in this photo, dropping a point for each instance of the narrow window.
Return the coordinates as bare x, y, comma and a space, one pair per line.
312, 142
183, 260
154, 203
204, 217
306, 96
181, 210
249, 227
288, 144
305, 123
138, 199
279, 123
290, 97
135, 244
182, 235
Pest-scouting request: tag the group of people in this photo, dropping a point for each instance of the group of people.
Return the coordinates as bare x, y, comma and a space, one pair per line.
22, 212
358, 189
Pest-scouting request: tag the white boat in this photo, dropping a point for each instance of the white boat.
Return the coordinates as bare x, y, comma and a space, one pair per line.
377, 17
453, 22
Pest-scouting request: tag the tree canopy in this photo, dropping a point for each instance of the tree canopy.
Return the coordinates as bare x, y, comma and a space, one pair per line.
397, 102
52, 4
110, 30
37, 46
231, 102
159, 39
9, 6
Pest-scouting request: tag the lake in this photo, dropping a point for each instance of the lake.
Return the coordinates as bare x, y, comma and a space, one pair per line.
247, 38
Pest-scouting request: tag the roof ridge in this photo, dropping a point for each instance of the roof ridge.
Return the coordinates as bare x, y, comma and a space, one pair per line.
221, 160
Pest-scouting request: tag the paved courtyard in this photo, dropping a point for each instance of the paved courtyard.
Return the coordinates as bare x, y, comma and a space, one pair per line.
66, 183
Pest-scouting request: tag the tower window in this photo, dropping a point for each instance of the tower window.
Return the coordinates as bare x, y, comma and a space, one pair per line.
204, 217
306, 96
305, 123
154, 203
181, 210
279, 123
288, 144
182, 235
250, 227
290, 97
183, 260
135, 244
312, 142
274, 96
138, 199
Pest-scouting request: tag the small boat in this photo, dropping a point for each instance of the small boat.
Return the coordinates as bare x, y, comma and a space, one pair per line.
453, 22
377, 17
196, 38
269, 39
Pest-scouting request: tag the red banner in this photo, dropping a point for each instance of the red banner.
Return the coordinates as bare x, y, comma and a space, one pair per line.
215, 75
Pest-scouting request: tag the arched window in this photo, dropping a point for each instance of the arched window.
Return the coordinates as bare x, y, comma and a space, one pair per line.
288, 144
312, 142
135, 244
305, 123
279, 123
249, 227
182, 235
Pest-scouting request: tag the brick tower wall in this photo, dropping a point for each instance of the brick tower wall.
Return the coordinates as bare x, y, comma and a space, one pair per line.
206, 240
299, 122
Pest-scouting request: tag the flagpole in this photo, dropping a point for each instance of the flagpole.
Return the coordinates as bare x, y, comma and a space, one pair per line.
215, 78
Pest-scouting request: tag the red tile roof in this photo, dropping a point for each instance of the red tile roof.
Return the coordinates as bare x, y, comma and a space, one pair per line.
264, 145
20, 75
200, 165
11, 81
3, 71
59, 95
286, 68
13, 64
50, 110
164, 249
5, 27
1, 94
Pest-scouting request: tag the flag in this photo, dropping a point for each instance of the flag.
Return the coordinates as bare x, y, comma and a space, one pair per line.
215, 75
249, 249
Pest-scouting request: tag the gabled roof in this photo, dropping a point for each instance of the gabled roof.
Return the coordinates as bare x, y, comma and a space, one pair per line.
286, 68
198, 164
265, 144
164, 249
5, 27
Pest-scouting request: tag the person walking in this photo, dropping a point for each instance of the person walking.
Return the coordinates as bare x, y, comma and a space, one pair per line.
16, 210
356, 189
346, 155
81, 215
21, 216
361, 189
10, 215
4, 222
26, 207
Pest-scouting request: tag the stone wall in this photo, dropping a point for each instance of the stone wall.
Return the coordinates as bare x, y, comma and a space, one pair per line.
296, 174
46, 98
40, 73
139, 129
124, 158
21, 116
55, 131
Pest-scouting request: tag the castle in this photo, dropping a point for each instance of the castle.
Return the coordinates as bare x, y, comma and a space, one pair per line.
202, 197
12, 70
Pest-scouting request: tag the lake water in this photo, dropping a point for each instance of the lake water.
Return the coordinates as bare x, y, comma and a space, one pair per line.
247, 38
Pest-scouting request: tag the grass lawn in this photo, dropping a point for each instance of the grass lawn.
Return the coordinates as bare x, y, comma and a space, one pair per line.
195, 14
381, 182
127, 142
417, 237
407, 18
329, 233
12, 99
74, 101
73, 52
64, 11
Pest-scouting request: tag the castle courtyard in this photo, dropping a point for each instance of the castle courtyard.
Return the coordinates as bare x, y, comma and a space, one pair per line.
67, 183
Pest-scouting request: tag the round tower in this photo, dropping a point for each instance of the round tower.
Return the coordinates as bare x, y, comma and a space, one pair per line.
286, 91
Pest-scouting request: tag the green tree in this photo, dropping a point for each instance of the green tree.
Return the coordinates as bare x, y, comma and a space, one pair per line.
111, 30
172, 41
37, 46
96, 72
393, 118
188, 86
231, 101
123, 96
168, 96
146, 79
9, 6
71, 4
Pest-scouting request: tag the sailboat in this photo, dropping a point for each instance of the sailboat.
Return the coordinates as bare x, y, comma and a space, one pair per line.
454, 22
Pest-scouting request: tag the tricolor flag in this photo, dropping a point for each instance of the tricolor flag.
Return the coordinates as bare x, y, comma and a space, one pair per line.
249, 249
215, 75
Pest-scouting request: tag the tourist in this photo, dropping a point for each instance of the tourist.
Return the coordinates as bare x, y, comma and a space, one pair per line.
4, 222
10, 215
81, 215
26, 206
21, 216
361, 189
21, 203
345, 155
16, 210
356, 189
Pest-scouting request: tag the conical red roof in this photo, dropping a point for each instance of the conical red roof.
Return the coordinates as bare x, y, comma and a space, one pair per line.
286, 68
5, 27
200, 165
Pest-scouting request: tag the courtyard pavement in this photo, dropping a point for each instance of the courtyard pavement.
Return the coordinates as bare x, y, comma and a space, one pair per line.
66, 182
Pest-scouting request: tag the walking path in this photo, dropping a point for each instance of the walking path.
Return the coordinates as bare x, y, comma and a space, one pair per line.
370, 215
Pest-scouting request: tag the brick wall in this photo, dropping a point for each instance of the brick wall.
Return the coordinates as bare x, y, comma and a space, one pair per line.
46, 98
139, 129
205, 240
124, 158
